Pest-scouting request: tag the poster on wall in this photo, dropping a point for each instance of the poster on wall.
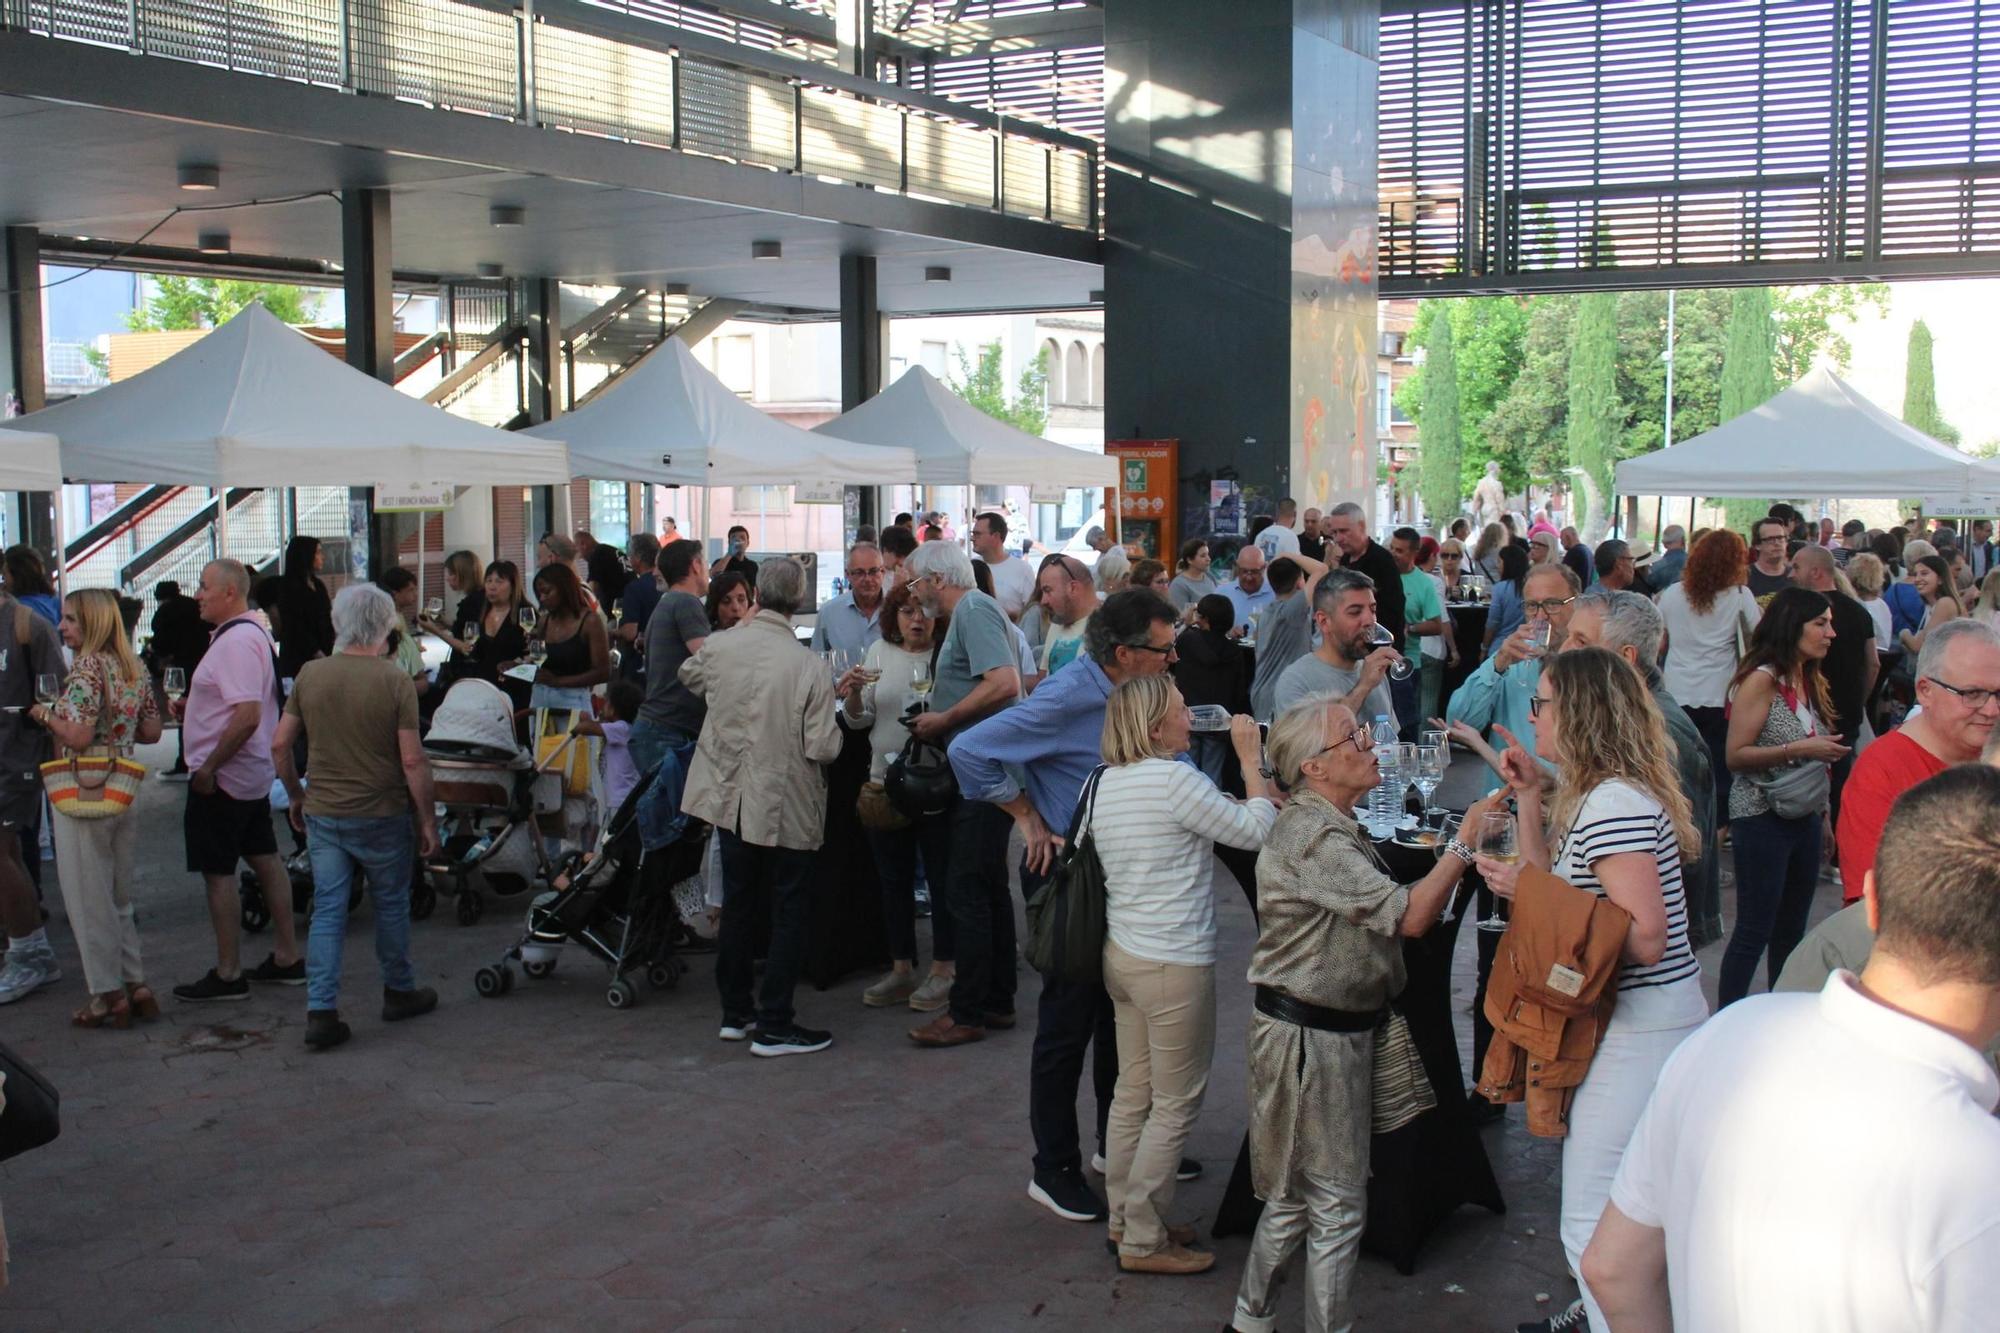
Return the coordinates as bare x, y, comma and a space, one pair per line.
1148, 479
1225, 509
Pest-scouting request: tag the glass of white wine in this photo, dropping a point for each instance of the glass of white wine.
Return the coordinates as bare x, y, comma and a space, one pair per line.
1497, 842
537, 651
921, 682
527, 617
433, 607
175, 684
47, 684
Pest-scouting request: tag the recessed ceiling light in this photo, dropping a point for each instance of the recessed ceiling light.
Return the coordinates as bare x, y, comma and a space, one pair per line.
937, 273
1097, 296
766, 250
213, 242
677, 289
199, 176
490, 270
507, 215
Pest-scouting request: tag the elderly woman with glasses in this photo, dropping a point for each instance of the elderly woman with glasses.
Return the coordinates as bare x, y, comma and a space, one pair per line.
1328, 962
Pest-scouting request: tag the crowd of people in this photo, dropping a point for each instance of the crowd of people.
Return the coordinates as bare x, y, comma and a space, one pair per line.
1783, 698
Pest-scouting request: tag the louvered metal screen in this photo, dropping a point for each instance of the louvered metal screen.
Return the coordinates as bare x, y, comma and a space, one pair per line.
596, 86
1599, 144
734, 114
438, 53
851, 140
951, 162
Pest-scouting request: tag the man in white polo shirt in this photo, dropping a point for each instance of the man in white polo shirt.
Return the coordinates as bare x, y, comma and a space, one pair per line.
1013, 577
1831, 1161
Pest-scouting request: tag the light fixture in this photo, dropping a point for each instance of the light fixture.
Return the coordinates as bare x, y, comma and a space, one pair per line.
507, 215
490, 270
213, 242
677, 289
1097, 296
766, 250
199, 176
937, 273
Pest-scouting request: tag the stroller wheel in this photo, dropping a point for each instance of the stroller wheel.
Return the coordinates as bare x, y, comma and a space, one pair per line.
423, 899
491, 982
665, 974
622, 995
256, 911
539, 968
470, 908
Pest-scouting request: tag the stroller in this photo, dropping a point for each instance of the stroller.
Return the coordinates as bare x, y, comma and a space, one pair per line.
617, 903
493, 800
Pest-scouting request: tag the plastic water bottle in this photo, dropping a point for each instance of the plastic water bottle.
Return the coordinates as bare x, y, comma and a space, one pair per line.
1385, 800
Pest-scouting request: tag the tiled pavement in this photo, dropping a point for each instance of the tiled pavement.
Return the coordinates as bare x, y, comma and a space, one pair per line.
541, 1162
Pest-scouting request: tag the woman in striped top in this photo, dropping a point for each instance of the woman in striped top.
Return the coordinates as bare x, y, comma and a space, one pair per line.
1155, 822
1618, 826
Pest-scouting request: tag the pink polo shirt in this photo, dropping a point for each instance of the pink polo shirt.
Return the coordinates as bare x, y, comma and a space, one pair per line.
238, 668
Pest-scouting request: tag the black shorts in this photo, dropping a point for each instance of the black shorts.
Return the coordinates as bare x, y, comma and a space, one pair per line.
222, 830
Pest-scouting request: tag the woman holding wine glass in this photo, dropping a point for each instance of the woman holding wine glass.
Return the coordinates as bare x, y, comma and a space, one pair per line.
1617, 826
107, 703
577, 646
494, 637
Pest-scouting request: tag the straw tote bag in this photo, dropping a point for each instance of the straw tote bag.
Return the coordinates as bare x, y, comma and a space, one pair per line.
95, 783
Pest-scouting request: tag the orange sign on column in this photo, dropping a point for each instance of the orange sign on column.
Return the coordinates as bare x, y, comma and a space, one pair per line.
1149, 475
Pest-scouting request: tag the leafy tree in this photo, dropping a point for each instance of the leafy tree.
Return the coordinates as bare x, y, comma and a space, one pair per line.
1748, 377
176, 302
1595, 413
1486, 334
984, 386
1528, 427
1920, 407
1438, 428
1807, 319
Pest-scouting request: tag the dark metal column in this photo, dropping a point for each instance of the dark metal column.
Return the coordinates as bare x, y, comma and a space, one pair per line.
854, 35
864, 359
24, 368
367, 290
541, 310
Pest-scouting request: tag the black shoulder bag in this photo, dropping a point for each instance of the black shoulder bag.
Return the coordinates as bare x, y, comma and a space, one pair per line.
1066, 915
33, 1113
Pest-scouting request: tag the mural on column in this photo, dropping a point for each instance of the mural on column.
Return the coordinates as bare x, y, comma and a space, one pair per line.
1333, 266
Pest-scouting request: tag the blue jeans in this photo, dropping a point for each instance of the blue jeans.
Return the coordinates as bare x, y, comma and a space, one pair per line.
384, 846
1777, 870
669, 751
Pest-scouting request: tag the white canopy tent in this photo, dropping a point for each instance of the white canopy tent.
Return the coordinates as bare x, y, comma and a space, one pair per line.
956, 444
669, 421
255, 404
31, 461
1819, 438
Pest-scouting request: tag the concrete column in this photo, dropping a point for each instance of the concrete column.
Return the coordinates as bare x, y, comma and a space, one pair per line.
1241, 316
864, 360
368, 293
22, 369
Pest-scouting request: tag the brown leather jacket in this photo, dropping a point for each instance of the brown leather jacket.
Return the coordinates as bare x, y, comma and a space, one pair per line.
1550, 996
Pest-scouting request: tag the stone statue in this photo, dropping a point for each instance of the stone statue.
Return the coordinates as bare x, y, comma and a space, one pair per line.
1489, 498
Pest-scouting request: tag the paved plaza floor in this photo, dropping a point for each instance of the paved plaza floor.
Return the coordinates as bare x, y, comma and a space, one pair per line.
539, 1161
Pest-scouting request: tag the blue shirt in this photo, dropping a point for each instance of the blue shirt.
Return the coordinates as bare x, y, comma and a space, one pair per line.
842, 624
1054, 738
1505, 613
1488, 697
1247, 604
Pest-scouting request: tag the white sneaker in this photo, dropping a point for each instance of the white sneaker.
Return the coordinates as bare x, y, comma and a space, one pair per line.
28, 969
737, 1029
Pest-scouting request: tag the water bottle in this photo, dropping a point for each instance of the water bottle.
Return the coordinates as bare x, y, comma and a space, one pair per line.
1385, 801
1208, 717
477, 850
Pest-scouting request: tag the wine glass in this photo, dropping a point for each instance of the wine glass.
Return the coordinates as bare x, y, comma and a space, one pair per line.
537, 651
1380, 637
921, 682
1430, 772
433, 607
1539, 633
46, 686
175, 684
1497, 842
527, 617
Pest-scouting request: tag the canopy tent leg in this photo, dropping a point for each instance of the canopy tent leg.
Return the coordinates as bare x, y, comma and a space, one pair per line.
62, 550
422, 520
222, 523
704, 521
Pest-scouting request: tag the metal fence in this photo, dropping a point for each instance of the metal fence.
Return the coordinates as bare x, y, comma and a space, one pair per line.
581, 72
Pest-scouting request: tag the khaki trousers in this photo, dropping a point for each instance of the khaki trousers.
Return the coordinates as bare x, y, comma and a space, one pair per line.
1166, 1040
94, 861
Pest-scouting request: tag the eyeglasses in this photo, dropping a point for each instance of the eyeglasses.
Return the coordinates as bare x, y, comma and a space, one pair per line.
1974, 699
1546, 607
1359, 738
874, 573
1452, 555
1167, 651
1536, 703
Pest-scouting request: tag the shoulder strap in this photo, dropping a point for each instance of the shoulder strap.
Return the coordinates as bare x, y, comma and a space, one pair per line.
1085, 803
24, 628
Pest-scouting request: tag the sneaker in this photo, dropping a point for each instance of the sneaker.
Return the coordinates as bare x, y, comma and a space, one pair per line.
1173, 1261
27, 970
736, 1029
933, 995
1572, 1320
1189, 1169
793, 1040
400, 1004
1065, 1194
892, 989
324, 1030
273, 972
213, 987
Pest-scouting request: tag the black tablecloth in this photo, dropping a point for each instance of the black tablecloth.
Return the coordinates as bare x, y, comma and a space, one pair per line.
847, 934
1468, 627
1430, 1167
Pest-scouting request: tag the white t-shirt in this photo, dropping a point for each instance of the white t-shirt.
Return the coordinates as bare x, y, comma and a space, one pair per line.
1013, 584
1275, 541
1701, 646
1433, 645
1885, 622
1820, 1161
1155, 824
1619, 817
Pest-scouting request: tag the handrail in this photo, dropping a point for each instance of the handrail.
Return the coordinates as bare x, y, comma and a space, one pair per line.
591, 324
159, 550
419, 354
107, 529
490, 352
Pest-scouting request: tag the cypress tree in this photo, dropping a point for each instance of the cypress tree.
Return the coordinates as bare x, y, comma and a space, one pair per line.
1594, 408
1920, 407
1438, 427
1748, 378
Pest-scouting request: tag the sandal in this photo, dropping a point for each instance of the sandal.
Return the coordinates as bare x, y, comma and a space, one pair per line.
145, 1004
98, 1014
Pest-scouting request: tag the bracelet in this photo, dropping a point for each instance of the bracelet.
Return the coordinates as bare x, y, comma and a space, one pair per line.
1459, 850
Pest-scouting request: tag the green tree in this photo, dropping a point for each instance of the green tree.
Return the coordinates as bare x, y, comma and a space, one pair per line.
1749, 378
1438, 437
984, 386
176, 302
1487, 335
1920, 407
1808, 319
1595, 413
1527, 429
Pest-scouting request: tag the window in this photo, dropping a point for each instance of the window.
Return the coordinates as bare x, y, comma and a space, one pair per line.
1052, 366
736, 363
610, 512
769, 500
1381, 402
1076, 374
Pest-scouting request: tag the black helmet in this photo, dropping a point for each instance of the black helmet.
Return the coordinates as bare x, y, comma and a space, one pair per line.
920, 781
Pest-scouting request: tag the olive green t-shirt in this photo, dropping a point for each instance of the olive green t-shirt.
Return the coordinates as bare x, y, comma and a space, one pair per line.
352, 708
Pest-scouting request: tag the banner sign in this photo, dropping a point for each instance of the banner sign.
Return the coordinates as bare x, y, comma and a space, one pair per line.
414, 497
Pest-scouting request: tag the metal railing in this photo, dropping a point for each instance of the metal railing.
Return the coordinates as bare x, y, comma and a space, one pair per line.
585, 70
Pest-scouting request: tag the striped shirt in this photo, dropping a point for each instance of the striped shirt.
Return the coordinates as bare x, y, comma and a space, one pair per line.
1619, 817
1155, 824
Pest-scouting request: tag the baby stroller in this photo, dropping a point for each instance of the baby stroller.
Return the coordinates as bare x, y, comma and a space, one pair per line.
617, 903
492, 799
256, 911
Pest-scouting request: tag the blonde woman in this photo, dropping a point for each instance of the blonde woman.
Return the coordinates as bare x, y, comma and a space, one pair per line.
1486, 552
1155, 822
1617, 826
1869, 576
107, 700
1987, 609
